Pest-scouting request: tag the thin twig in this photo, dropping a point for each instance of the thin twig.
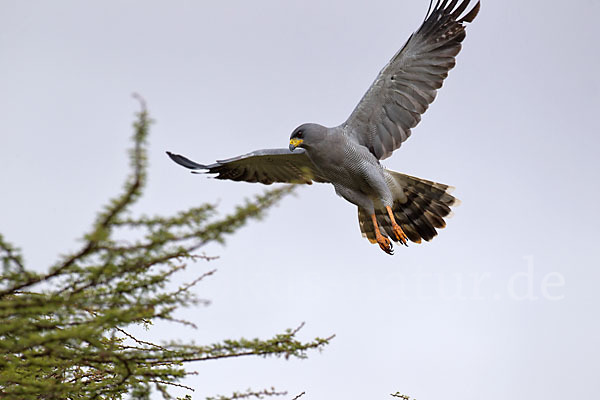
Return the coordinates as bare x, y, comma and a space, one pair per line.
171, 384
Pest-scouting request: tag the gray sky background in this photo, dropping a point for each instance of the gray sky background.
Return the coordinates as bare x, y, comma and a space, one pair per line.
503, 304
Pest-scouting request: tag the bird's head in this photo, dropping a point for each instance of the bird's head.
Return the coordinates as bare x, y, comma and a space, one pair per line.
307, 135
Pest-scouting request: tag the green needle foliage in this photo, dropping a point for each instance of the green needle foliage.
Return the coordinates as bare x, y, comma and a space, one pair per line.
64, 333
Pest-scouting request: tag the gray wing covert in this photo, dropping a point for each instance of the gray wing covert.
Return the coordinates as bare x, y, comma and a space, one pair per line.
265, 166
407, 85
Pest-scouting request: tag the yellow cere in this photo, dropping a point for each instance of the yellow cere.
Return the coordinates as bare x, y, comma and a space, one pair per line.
295, 142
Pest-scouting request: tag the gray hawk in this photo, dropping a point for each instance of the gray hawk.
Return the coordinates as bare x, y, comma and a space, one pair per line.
391, 206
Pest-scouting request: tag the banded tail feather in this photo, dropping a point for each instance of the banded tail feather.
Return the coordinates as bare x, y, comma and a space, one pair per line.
420, 211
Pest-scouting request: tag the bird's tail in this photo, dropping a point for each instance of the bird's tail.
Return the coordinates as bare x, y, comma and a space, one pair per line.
420, 207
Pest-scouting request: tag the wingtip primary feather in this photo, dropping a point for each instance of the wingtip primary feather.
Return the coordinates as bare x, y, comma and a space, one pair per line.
429, 9
185, 162
471, 14
444, 7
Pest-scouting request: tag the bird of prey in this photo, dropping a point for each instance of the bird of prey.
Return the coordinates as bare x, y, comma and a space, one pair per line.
391, 206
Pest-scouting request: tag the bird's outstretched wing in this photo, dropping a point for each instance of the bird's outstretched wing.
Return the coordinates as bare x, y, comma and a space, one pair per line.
407, 85
264, 166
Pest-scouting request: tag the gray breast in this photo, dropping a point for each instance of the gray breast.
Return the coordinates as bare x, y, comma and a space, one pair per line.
348, 164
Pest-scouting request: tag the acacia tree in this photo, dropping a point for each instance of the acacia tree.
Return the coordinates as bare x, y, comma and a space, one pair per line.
65, 333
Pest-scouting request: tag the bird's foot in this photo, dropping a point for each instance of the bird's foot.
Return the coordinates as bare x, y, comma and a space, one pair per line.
400, 235
385, 244
398, 232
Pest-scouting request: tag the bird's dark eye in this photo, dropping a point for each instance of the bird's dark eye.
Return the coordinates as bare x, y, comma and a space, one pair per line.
299, 134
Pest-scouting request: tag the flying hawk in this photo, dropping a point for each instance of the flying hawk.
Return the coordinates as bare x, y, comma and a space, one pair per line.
391, 206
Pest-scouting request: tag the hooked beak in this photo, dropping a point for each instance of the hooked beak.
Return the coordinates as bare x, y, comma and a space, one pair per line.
295, 142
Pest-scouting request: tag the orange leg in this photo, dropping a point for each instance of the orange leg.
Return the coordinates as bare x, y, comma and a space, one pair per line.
384, 243
400, 235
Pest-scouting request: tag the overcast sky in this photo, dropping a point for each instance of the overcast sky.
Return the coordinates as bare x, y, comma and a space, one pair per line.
503, 304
